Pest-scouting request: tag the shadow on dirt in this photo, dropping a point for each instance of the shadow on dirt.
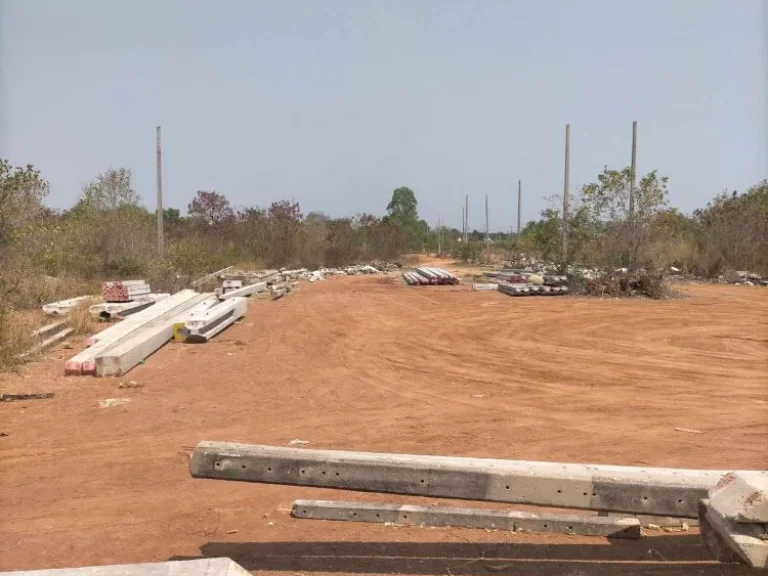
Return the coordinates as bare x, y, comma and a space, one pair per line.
661, 555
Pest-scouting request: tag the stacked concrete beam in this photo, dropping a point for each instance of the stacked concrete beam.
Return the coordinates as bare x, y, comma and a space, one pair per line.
84, 362
202, 324
449, 516
531, 289
247, 290
436, 275
229, 285
648, 491
48, 336
125, 354
124, 290
211, 276
203, 567
63, 307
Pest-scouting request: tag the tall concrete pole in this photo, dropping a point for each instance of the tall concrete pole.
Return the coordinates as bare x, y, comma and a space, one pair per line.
160, 248
519, 203
466, 218
566, 193
487, 235
632, 196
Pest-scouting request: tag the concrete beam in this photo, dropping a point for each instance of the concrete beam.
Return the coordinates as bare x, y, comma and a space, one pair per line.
727, 539
742, 497
449, 516
651, 491
203, 324
63, 307
211, 275
145, 341
204, 567
84, 362
248, 290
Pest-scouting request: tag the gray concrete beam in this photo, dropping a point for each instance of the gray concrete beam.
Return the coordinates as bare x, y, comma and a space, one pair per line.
651, 491
449, 516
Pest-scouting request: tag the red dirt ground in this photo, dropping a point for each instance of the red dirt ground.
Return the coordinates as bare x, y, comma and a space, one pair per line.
367, 363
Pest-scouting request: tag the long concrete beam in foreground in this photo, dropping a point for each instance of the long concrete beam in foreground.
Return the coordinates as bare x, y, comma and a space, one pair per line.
106, 338
145, 341
203, 567
449, 516
651, 491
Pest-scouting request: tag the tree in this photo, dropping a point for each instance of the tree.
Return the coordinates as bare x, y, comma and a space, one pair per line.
110, 190
403, 204
172, 215
607, 203
21, 194
211, 207
402, 213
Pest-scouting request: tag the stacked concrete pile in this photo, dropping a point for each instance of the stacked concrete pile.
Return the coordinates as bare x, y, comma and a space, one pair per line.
745, 278
429, 275
116, 350
515, 282
208, 318
63, 307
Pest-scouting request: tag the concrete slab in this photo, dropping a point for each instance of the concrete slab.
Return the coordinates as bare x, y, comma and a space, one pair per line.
449, 516
634, 490
203, 567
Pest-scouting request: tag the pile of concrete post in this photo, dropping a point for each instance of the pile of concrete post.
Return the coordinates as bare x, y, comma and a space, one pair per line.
525, 283
745, 278
117, 349
425, 275
63, 307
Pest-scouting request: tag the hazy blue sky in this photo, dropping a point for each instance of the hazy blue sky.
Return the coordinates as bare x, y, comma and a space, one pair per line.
337, 103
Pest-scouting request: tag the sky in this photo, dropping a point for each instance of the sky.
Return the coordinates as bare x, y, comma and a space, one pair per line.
336, 103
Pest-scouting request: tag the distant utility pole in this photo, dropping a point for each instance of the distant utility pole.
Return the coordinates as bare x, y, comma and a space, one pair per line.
487, 231
466, 218
632, 197
566, 193
519, 202
437, 229
159, 197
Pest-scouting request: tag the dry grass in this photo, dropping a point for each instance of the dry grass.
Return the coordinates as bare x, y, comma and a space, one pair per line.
16, 337
81, 319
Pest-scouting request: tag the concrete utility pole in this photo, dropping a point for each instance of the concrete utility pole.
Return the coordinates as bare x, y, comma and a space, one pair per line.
519, 202
160, 249
439, 235
466, 218
487, 231
566, 193
632, 197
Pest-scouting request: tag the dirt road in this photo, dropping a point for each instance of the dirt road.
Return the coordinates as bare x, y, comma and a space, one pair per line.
366, 363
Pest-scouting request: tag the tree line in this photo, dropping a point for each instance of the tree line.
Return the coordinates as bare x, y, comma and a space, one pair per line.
109, 234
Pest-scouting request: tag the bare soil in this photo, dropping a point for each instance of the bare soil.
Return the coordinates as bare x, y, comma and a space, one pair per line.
367, 363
